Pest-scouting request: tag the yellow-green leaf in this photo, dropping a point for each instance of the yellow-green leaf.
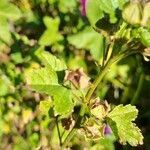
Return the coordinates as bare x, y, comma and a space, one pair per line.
121, 122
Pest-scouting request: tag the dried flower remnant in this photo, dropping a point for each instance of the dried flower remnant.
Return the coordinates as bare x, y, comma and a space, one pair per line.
68, 123
83, 7
99, 108
146, 54
78, 78
92, 129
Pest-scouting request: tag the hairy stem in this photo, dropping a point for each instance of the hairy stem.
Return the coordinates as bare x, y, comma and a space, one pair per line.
105, 69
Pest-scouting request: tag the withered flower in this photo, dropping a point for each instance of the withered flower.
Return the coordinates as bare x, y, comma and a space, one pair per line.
78, 78
99, 108
92, 129
146, 54
68, 123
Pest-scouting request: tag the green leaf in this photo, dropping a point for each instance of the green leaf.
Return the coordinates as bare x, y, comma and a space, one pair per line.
50, 60
90, 40
109, 7
121, 121
3, 87
45, 80
106, 143
42, 80
67, 5
62, 101
93, 11
51, 24
144, 36
5, 34
42, 76
9, 10
17, 57
121, 3
51, 34
44, 106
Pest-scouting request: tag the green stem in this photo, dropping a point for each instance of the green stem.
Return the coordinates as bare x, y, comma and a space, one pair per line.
126, 92
138, 91
59, 136
73, 130
105, 69
69, 137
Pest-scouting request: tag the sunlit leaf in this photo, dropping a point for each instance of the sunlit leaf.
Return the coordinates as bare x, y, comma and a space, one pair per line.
121, 122
90, 40
63, 101
45, 106
9, 10
50, 60
93, 11
51, 34
45, 81
144, 36
5, 35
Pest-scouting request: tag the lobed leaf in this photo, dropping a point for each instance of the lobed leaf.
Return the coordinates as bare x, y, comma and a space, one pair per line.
121, 121
45, 81
51, 61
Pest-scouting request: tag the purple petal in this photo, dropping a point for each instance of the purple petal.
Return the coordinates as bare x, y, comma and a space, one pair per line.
83, 7
107, 130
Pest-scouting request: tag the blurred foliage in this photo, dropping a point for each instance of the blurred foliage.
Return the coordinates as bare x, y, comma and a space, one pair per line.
30, 32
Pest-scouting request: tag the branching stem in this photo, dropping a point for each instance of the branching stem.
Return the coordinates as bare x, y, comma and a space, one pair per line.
97, 81
105, 69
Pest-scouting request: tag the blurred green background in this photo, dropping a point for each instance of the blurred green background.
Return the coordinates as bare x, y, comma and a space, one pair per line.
59, 27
